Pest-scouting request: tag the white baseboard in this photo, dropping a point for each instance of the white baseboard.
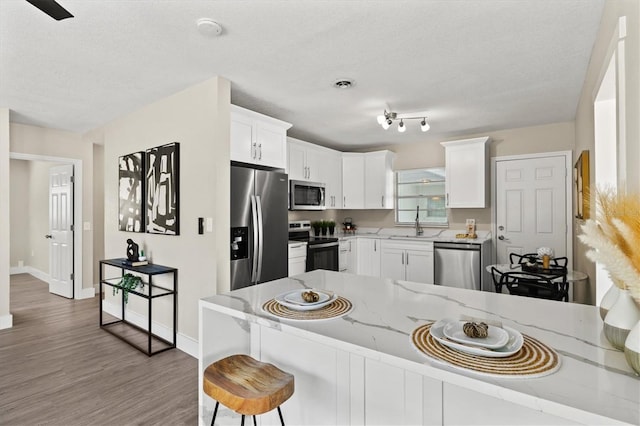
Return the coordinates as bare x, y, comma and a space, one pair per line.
18, 270
185, 343
6, 321
86, 293
37, 273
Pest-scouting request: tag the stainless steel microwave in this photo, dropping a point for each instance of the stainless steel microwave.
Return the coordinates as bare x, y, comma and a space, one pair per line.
306, 195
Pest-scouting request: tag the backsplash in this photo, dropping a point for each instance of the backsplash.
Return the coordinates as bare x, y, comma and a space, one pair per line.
386, 218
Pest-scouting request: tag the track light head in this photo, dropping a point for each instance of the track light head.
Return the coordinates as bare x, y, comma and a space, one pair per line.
386, 123
401, 127
424, 126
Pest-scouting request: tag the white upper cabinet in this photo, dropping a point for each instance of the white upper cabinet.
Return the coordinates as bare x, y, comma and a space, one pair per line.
258, 139
304, 161
331, 172
378, 180
352, 180
367, 180
309, 162
466, 173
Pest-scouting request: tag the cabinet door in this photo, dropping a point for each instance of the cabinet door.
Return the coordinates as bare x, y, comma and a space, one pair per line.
331, 175
352, 257
297, 164
241, 136
271, 145
419, 266
466, 173
297, 265
374, 179
368, 254
352, 181
392, 264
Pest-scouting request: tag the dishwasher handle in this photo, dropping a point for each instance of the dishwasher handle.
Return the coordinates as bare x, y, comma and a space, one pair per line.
456, 246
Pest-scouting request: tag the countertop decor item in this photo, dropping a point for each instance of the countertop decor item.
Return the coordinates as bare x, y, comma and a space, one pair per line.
535, 359
615, 237
632, 348
608, 300
338, 308
623, 315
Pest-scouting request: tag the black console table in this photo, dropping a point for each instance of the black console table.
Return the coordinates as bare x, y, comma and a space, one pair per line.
142, 339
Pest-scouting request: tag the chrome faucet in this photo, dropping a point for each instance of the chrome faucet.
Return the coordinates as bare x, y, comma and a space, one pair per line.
419, 230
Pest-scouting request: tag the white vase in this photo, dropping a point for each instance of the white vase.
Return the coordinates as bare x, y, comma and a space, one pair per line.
632, 348
620, 319
608, 300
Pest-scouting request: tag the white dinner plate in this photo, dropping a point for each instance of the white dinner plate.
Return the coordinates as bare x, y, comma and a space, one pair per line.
305, 306
497, 337
513, 345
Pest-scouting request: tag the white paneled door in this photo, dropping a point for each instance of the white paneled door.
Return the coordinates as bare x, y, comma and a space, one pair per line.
531, 206
61, 231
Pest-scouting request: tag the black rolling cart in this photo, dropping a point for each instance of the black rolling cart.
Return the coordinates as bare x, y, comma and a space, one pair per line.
144, 340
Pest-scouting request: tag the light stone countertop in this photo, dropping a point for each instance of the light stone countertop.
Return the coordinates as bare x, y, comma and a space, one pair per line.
408, 234
594, 384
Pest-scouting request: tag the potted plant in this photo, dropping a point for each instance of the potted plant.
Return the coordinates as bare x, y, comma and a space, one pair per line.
316, 225
127, 283
332, 226
324, 225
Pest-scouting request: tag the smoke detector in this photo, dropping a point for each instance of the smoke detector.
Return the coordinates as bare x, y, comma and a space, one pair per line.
209, 27
343, 83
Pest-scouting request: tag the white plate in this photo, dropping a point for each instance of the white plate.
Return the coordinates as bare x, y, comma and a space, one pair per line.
296, 297
282, 299
513, 345
497, 337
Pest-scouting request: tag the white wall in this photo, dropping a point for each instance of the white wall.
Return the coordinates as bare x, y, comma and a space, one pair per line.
197, 118
6, 319
526, 140
63, 144
19, 219
584, 123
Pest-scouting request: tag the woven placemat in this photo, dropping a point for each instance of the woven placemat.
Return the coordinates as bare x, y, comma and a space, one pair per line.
336, 309
535, 359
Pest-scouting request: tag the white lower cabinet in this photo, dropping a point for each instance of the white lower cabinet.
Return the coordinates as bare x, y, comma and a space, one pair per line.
407, 260
368, 255
297, 258
396, 396
347, 256
464, 406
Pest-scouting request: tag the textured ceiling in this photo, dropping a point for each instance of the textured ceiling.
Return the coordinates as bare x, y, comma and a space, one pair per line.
472, 65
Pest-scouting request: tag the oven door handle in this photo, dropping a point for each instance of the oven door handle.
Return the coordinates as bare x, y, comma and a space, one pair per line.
324, 245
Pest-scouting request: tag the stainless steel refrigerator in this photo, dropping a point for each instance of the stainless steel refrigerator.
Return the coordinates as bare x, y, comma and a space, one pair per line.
259, 226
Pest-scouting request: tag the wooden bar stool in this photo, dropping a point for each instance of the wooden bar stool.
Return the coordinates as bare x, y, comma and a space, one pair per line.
247, 386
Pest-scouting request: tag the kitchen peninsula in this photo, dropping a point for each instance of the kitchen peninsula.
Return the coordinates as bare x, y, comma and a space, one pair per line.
363, 369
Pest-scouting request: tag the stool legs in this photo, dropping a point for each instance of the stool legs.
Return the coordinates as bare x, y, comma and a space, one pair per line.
280, 414
215, 411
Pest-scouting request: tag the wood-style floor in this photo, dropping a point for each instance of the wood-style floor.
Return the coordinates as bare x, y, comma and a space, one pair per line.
58, 367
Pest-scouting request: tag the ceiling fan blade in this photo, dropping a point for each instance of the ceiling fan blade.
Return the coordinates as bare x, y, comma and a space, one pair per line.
52, 8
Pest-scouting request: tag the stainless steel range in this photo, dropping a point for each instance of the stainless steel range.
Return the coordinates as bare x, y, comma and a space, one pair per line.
322, 252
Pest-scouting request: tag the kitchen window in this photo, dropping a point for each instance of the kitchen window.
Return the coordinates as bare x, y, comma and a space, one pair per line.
422, 188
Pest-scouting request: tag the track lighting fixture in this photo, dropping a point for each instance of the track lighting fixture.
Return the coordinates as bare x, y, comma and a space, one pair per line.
386, 120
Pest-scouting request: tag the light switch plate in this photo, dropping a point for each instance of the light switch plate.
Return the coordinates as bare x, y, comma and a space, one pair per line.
209, 224
86, 226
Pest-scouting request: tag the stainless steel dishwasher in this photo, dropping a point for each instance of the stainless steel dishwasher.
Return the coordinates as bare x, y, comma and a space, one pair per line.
457, 265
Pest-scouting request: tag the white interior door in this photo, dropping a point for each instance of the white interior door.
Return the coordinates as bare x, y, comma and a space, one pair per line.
531, 206
61, 230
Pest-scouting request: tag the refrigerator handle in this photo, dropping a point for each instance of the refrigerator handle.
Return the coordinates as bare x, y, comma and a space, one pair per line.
254, 217
261, 231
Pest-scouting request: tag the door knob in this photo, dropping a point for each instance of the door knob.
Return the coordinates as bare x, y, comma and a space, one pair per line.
48, 236
501, 237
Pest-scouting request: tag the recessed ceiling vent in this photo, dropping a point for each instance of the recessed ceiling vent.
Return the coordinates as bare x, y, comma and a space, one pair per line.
343, 83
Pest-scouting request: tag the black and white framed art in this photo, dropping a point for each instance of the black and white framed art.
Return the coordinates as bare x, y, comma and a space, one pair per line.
162, 197
131, 214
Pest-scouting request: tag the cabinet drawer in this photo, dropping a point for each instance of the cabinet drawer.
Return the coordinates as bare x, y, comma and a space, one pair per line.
297, 250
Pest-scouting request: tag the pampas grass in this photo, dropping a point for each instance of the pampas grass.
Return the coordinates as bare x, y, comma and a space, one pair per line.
614, 238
